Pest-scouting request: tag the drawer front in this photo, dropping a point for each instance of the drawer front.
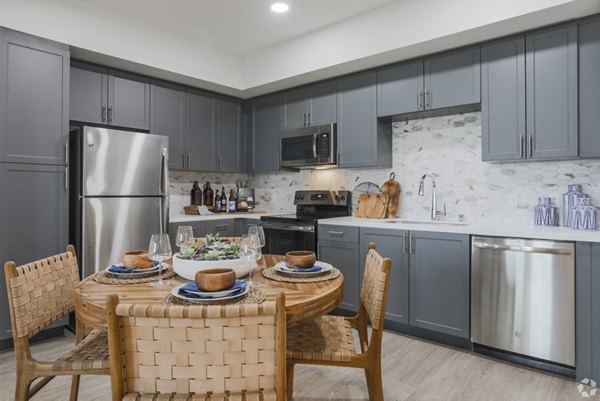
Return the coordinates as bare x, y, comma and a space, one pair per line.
225, 227
328, 232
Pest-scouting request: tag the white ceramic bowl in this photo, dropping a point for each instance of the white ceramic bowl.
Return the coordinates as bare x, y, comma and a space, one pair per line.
188, 268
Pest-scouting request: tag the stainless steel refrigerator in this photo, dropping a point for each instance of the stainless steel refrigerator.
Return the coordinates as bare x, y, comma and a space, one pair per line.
122, 182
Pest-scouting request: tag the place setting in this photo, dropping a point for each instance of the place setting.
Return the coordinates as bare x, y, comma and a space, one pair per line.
301, 267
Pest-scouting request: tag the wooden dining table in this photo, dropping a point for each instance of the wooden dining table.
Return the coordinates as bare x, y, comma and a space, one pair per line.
303, 301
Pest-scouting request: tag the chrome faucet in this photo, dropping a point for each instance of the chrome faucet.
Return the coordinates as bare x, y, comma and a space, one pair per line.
434, 212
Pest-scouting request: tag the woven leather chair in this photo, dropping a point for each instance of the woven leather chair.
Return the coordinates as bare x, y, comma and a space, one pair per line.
40, 293
194, 353
328, 340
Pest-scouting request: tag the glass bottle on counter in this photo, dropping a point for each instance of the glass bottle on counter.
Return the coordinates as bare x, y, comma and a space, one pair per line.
217, 203
208, 195
196, 195
231, 203
223, 200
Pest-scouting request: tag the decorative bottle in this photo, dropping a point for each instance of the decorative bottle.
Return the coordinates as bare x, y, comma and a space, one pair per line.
196, 195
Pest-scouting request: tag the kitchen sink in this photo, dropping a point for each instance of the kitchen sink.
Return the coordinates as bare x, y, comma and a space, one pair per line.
434, 222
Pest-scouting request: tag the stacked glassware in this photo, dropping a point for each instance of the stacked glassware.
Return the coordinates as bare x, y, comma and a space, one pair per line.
545, 213
577, 209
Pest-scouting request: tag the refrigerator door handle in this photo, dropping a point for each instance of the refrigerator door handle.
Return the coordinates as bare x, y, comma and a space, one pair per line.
164, 207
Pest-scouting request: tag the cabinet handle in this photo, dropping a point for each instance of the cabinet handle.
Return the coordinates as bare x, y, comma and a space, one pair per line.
420, 96
219, 163
67, 152
338, 233
530, 145
308, 119
521, 145
304, 120
110, 115
410, 244
103, 114
189, 157
404, 250
66, 178
428, 99
222, 227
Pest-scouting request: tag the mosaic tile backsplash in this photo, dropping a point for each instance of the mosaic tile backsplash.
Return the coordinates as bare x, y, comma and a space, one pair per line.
448, 148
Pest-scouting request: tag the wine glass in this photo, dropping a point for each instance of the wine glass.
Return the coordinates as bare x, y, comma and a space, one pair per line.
185, 237
259, 232
250, 252
159, 250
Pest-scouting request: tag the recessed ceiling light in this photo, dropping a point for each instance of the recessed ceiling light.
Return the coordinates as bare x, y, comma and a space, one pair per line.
279, 7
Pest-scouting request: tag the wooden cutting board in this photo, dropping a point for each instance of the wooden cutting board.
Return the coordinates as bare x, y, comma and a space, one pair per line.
372, 206
392, 189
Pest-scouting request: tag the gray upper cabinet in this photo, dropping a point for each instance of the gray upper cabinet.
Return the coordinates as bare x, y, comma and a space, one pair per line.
34, 99
391, 244
589, 87
228, 125
400, 89
200, 130
436, 82
440, 282
265, 129
111, 97
28, 231
362, 140
168, 118
309, 105
452, 79
551, 79
503, 99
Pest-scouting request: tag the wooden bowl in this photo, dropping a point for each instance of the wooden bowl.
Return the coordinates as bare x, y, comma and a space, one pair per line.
215, 279
136, 260
303, 259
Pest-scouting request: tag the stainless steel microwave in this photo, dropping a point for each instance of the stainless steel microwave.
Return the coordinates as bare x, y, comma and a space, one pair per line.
309, 147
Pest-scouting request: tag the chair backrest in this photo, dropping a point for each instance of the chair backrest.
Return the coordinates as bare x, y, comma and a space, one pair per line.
373, 293
41, 292
173, 349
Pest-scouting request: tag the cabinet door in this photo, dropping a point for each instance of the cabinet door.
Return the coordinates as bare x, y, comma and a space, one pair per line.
34, 99
452, 79
200, 131
33, 219
391, 244
356, 111
345, 257
88, 93
295, 108
223, 227
439, 282
503, 100
168, 118
266, 129
229, 135
551, 57
400, 89
589, 88
128, 100
323, 101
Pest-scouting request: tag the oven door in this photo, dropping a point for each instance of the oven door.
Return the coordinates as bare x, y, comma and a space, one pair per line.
281, 238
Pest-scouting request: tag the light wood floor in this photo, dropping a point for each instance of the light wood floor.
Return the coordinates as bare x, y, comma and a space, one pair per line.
413, 370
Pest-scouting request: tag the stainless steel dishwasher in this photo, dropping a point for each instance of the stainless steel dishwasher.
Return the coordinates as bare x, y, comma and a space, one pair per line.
523, 297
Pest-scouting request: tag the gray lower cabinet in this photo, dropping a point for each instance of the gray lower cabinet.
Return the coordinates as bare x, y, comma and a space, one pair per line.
551, 80
587, 282
33, 219
200, 130
440, 282
391, 244
503, 100
168, 118
309, 105
229, 134
363, 141
264, 123
104, 96
223, 227
345, 257
34, 99
242, 224
589, 87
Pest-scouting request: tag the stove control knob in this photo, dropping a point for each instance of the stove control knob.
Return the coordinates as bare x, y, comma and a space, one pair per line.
343, 198
337, 198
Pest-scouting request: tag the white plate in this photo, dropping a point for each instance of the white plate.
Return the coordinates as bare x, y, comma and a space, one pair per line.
283, 269
175, 293
143, 272
215, 294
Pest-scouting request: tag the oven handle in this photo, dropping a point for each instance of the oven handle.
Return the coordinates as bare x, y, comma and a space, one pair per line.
288, 227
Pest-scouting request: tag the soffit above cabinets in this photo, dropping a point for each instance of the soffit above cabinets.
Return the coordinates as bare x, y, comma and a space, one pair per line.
241, 48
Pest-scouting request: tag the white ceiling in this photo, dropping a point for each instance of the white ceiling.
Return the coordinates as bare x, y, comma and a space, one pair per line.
238, 26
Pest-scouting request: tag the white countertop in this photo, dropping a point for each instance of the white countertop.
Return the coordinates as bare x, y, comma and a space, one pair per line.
182, 218
495, 229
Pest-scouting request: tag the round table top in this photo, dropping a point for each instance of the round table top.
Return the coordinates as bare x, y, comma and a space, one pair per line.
303, 301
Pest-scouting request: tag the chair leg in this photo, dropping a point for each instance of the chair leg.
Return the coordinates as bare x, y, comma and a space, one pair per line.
289, 379
74, 388
22, 388
374, 382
